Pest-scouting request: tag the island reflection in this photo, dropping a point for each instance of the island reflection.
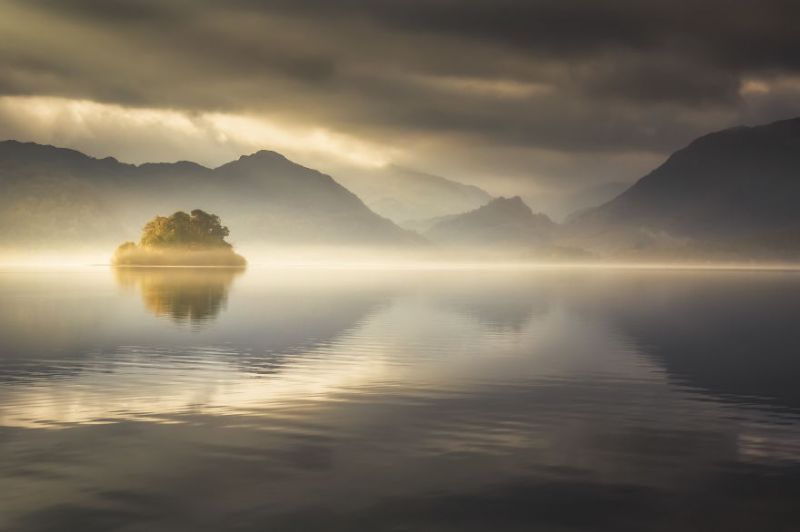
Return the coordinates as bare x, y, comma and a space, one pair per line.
193, 296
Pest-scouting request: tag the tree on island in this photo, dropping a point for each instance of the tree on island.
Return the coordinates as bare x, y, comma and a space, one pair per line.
198, 230
196, 239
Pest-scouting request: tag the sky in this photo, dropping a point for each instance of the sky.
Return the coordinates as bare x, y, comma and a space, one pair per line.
545, 98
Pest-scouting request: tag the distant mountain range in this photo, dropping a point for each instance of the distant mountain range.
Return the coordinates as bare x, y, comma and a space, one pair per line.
735, 192
54, 196
409, 197
732, 194
501, 222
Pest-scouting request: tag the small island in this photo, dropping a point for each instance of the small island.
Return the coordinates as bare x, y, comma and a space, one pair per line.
195, 239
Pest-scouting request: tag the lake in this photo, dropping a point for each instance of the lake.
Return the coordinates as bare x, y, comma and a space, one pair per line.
418, 400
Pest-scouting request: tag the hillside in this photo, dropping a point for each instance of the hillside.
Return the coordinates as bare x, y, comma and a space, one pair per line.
406, 196
733, 192
53, 196
501, 222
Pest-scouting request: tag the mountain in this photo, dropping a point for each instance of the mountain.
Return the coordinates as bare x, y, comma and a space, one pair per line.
55, 196
406, 195
575, 203
501, 222
735, 192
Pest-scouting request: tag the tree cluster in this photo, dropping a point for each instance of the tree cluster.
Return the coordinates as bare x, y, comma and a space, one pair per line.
198, 230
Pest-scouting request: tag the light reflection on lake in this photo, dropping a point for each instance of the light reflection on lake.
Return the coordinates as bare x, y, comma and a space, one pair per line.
379, 400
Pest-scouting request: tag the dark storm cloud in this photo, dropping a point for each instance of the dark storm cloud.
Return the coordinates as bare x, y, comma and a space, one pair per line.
747, 33
617, 76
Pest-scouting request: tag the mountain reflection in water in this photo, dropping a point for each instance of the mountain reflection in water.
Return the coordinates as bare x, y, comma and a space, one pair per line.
369, 400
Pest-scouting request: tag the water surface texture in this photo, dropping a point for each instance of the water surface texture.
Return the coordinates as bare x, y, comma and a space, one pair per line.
186, 400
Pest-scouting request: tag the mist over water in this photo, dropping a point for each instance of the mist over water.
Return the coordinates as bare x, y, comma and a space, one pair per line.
379, 399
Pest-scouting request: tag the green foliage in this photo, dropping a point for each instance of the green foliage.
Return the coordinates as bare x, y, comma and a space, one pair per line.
196, 230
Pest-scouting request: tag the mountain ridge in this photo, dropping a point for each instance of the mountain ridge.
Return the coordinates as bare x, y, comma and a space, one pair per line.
732, 193
408, 196
58, 194
502, 221
733, 189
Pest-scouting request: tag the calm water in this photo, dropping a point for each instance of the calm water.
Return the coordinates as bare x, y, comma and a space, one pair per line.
390, 401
